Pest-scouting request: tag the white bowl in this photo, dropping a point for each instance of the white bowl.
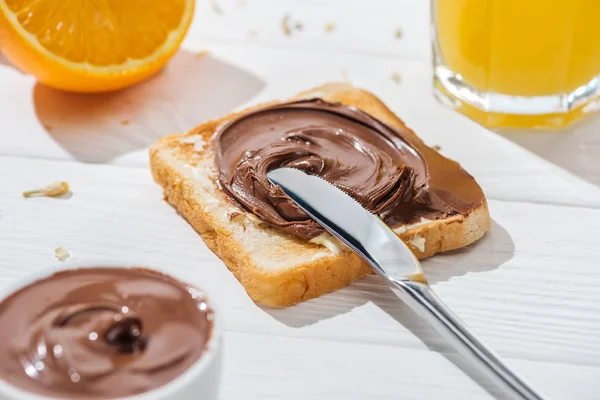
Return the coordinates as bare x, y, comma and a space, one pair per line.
200, 381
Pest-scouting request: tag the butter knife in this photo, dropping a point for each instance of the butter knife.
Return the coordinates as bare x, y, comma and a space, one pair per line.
392, 260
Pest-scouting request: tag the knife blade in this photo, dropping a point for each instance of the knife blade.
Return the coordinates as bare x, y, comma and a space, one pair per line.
390, 258
345, 218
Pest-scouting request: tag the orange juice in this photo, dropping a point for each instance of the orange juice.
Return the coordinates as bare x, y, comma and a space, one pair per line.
525, 62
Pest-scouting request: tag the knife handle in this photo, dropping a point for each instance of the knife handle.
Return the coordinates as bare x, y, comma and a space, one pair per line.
422, 300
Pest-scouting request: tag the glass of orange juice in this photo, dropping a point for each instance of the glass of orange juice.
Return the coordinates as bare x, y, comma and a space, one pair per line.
518, 63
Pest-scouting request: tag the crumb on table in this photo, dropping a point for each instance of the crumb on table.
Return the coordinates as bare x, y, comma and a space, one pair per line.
61, 254
54, 189
288, 26
285, 25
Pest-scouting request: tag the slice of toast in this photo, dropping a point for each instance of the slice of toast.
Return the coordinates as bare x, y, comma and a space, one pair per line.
275, 268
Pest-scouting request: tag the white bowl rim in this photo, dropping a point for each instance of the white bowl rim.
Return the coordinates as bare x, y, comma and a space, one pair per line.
165, 391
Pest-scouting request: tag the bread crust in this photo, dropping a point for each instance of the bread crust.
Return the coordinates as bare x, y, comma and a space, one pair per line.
320, 270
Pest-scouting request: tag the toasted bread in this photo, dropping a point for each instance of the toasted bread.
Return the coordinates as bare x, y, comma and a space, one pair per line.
276, 268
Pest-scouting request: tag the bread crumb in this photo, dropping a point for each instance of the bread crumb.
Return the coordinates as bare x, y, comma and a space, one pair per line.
436, 147
329, 27
61, 254
252, 33
216, 7
125, 122
53, 190
398, 34
418, 242
285, 25
396, 78
201, 53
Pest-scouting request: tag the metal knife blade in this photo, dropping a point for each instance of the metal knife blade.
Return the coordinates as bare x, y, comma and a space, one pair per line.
350, 222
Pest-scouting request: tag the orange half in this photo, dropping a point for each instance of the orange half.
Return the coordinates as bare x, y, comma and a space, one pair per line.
92, 45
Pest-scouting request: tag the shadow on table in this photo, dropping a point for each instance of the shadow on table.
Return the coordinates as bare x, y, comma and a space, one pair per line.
493, 250
575, 148
100, 127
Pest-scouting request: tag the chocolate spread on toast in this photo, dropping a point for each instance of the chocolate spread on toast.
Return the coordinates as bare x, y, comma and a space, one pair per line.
389, 170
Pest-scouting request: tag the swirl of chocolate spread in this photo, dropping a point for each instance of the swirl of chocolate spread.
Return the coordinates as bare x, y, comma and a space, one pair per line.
387, 169
101, 333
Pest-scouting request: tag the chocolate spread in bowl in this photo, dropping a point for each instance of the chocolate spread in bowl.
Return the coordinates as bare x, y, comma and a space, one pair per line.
387, 169
101, 333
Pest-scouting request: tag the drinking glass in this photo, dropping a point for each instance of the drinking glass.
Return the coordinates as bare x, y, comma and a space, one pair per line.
517, 63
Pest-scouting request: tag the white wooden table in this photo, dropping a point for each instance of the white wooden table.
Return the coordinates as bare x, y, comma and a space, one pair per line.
530, 288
